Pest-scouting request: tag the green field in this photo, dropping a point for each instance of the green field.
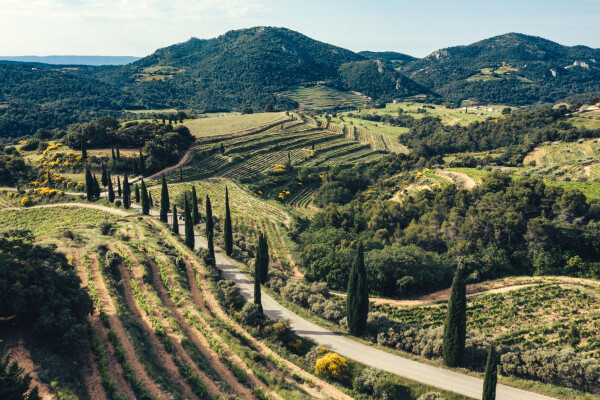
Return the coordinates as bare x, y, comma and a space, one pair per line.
226, 124
321, 97
562, 153
449, 116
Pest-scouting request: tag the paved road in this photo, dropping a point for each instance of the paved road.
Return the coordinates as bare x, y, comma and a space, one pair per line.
424, 373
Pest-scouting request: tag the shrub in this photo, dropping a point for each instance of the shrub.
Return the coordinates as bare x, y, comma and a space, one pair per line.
365, 381
67, 234
112, 262
118, 203
333, 366
229, 295
250, 314
26, 201
105, 227
431, 396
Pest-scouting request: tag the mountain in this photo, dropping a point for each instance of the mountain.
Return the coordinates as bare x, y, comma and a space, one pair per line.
392, 57
246, 68
511, 69
73, 60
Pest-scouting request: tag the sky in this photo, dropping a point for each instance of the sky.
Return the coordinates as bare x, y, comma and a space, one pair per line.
416, 27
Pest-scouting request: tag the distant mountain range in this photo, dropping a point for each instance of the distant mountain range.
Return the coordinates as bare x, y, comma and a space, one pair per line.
73, 60
254, 67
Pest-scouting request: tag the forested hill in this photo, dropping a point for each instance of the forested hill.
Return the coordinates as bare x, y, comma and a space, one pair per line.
246, 67
510, 69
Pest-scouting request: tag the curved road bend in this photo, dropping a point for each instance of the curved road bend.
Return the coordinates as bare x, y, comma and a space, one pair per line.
428, 374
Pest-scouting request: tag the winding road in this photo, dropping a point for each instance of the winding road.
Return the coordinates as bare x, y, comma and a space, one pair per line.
428, 374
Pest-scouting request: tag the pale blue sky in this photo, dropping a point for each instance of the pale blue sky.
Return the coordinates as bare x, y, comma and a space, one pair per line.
418, 27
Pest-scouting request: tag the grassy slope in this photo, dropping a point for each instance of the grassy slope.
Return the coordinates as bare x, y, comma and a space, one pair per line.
322, 97
222, 125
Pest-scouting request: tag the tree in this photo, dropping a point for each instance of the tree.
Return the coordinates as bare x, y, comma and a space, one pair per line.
13, 384
164, 201
209, 218
211, 248
89, 184
145, 200
142, 165
228, 228
136, 169
111, 191
264, 258
357, 299
83, 150
222, 149
189, 225
97, 190
113, 156
119, 191
195, 212
104, 177
118, 153
137, 193
491, 375
257, 279
455, 327
175, 221
126, 193
150, 201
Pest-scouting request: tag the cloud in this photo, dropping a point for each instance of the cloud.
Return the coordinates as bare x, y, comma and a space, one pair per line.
60, 10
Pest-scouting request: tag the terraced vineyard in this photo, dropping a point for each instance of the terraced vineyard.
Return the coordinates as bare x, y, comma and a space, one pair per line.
157, 330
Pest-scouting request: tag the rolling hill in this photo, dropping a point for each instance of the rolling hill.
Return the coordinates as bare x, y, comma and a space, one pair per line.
509, 69
73, 60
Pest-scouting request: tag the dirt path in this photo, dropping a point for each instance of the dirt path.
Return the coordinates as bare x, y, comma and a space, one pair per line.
166, 360
130, 354
458, 177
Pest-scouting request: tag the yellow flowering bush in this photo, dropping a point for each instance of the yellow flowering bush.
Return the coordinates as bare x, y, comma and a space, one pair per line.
333, 366
25, 201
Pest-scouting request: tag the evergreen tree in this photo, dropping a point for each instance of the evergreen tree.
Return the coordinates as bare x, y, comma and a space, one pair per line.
113, 153
137, 193
209, 218
89, 184
195, 212
228, 228
189, 225
222, 149
257, 279
126, 193
97, 190
491, 375
136, 170
211, 248
119, 191
83, 150
150, 201
145, 200
142, 164
118, 154
14, 383
264, 258
357, 299
455, 327
164, 201
104, 177
111, 191
49, 179
175, 221
180, 174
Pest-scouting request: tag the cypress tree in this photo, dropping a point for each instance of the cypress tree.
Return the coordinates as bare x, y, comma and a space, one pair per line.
136, 170
491, 375
104, 177
142, 164
89, 184
119, 191
150, 201
357, 299
113, 153
264, 258
257, 279
137, 193
97, 190
189, 225
455, 327
175, 221
228, 229
83, 150
126, 193
195, 213
211, 248
111, 191
164, 201
209, 217
118, 154
145, 200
